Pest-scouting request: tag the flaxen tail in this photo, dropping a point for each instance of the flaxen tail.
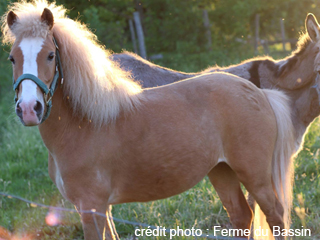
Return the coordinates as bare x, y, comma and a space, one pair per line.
282, 163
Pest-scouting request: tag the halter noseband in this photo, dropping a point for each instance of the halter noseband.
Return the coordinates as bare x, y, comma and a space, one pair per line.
47, 92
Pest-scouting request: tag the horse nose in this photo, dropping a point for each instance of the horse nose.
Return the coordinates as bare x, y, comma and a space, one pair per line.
30, 113
38, 109
19, 110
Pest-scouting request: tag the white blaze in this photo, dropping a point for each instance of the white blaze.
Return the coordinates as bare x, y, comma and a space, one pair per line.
30, 48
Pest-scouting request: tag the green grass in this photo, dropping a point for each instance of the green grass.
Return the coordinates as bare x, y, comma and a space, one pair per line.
23, 172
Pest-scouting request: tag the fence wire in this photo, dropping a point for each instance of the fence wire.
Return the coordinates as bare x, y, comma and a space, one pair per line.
94, 213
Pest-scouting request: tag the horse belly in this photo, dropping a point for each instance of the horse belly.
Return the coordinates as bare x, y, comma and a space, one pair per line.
159, 182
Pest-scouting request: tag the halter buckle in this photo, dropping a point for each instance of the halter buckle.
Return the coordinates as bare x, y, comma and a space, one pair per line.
47, 98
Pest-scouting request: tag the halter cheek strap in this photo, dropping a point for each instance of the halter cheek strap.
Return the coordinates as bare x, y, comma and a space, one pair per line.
47, 92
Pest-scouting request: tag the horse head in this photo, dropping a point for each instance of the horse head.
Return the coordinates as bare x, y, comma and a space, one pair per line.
36, 66
313, 30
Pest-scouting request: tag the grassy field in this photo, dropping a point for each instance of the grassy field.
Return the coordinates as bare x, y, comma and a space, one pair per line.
23, 172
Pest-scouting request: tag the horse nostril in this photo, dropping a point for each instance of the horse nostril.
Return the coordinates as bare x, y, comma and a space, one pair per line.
19, 110
38, 108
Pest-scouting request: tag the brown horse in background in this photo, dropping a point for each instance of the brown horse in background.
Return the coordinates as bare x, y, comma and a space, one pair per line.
109, 140
295, 75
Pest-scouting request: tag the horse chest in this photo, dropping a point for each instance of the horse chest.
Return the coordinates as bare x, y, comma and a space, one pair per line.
60, 183
55, 175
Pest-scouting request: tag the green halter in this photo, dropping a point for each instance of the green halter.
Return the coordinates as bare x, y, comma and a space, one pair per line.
47, 92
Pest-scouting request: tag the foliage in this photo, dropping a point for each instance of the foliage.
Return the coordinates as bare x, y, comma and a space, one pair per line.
177, 26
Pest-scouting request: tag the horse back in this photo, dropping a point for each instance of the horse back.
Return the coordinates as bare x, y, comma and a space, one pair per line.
147, 73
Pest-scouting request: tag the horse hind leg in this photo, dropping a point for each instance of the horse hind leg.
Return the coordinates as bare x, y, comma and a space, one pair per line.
264, 194
259, 184
227, 185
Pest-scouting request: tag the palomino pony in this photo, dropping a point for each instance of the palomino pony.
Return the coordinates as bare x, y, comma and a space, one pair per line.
297, 76
109, 140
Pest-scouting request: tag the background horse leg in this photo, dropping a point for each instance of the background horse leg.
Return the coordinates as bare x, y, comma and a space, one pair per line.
227, 185
252, 203
110, 228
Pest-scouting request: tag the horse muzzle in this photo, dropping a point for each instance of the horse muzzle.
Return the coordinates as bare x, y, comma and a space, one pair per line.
30, 105
29, 112
30, 109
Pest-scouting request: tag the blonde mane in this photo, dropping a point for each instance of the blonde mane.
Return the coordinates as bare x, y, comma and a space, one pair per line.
96, 86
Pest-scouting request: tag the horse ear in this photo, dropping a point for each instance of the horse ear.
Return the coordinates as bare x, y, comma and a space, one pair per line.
11, 19
313, 27
47, 17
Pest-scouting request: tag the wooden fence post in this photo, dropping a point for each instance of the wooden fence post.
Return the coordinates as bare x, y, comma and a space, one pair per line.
207, 27
139, 9
265, 46
283, 34
142, 47
133, 36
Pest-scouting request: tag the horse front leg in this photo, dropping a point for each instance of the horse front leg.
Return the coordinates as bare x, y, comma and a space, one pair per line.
93, 225
97, 227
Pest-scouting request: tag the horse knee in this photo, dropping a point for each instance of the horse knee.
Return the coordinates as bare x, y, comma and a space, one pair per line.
279, 208
90, 219
87, 218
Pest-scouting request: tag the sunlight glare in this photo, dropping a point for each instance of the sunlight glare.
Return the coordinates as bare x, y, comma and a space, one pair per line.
52, 219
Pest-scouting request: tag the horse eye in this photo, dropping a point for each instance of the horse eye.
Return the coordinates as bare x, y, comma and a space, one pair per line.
11, 59
51, 56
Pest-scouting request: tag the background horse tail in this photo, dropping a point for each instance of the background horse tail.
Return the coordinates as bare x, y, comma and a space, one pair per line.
282, 162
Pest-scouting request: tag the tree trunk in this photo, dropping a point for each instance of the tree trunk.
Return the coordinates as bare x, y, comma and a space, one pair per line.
256, 39
207, 27
142, 48
283, 36
139, 8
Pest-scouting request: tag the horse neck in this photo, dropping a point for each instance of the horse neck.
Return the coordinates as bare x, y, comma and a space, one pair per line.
258, 71
304, 100
305, 107
60, 122
297, 81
